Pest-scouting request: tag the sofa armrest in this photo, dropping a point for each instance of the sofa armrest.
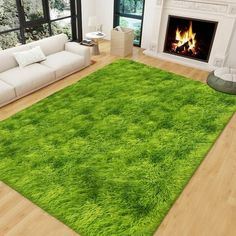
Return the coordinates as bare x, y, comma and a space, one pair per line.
80, 50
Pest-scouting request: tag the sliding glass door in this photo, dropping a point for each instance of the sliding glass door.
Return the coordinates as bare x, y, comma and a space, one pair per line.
23, 21
129, 13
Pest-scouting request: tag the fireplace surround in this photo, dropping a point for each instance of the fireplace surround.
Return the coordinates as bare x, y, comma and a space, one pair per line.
221, 13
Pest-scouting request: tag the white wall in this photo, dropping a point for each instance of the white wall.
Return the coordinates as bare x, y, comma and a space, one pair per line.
103, 10
88, 9
232, 51
104, 13
150, 16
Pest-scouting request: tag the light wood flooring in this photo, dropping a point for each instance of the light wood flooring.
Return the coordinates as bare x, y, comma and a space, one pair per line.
207, 206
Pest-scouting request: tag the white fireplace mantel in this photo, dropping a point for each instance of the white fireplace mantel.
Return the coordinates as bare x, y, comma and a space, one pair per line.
223, 12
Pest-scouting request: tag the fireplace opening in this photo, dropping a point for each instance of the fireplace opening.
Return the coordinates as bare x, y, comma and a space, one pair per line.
189, 37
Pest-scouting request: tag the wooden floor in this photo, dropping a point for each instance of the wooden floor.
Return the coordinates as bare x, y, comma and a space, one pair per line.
207, 206
20, 217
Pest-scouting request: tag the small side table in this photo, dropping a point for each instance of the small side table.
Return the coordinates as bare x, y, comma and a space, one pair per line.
95, 36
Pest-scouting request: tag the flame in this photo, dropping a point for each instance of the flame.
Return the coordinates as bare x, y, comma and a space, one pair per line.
186, 39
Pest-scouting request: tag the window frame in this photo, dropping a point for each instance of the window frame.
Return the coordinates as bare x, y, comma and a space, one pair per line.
117, 14
21, 11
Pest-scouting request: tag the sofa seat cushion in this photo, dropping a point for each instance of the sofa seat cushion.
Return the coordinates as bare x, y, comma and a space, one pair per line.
64, 63
29, 78
7, 92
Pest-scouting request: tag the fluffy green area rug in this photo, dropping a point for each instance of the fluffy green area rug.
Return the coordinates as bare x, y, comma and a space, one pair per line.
110, 154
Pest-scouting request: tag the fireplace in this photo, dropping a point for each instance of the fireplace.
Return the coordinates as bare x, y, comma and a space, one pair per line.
188, 37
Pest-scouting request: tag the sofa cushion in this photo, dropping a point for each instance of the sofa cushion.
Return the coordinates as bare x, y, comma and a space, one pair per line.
7, 59
79, 50
64, 63
29, 78
29, 57
52, 44
7, 93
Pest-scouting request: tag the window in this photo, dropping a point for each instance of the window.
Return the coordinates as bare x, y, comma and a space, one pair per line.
10, 25
129, 14
59, 10
34, 33
62, 26
33, 9
60, 14
23, 21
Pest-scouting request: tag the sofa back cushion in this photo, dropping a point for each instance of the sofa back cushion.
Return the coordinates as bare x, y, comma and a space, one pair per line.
52, 44
48, 45
7, 59
29, 57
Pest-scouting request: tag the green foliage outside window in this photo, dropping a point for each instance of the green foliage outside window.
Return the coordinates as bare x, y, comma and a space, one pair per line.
9, 20
8, 40
60, 5
57, 28
131, 6
36, 33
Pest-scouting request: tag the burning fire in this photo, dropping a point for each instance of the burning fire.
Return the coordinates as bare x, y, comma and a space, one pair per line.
185, 41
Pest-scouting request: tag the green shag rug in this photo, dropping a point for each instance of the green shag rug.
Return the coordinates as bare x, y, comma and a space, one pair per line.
110, 154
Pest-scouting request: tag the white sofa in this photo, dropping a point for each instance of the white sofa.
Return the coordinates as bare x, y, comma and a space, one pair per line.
63, 59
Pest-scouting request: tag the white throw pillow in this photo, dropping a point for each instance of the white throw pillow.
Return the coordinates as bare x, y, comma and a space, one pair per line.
28, 57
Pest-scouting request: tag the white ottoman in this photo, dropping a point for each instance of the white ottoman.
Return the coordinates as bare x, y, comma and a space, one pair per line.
223, 80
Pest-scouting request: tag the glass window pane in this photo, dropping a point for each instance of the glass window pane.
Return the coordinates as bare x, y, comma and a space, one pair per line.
62, 26
134, 24
59, 8
10, 39
8, 15
33, 9
134, 7
37, 32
